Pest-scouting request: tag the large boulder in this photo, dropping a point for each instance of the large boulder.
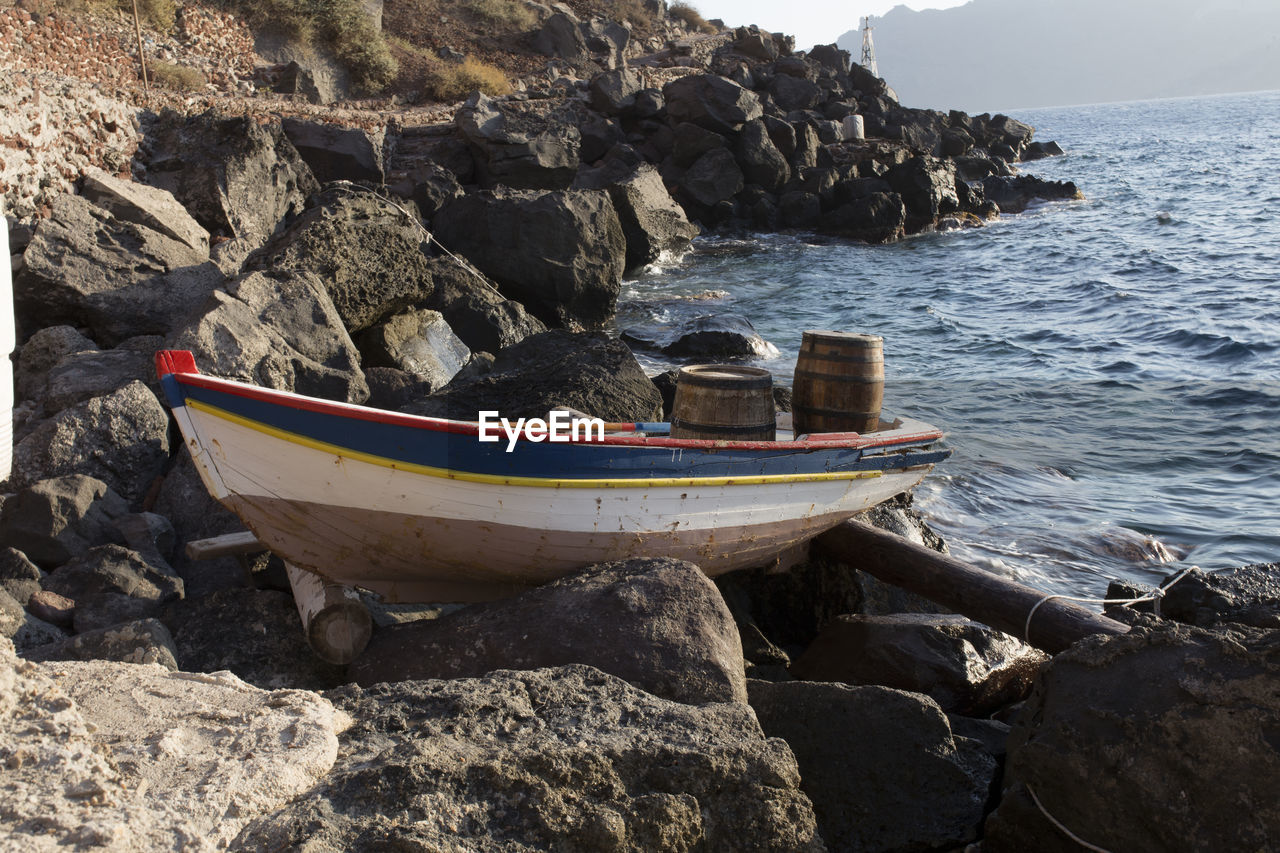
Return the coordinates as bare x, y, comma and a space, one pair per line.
965, 667
238, 178
40, 354
561, 254
711, 102
658, 624
1159, 739
614, 92
121, 438
592, 373
1249, 595
144, 205
567, 759
57, 519
714, 177
876, 218
87, 268
84, 375
116, 756
338, 153
19, 577
761, 162
143, 641
418, 342
368, 251
279, 330
708, 337
1014, 194
882, 767
561, 36
651, 220
927, 186
478, 314
113, 569
522, 145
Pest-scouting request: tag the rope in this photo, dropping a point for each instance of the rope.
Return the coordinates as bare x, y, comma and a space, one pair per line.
1053, 820
1155, 595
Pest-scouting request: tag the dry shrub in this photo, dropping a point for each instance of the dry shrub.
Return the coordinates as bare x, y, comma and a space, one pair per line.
434, 79
690, 16
161, 14
511, 13
633, 12
180, 78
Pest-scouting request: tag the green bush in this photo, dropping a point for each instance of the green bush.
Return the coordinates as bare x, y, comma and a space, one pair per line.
177, 77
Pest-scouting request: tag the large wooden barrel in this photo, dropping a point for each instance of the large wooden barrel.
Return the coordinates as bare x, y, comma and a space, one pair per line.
723, 401
839, 383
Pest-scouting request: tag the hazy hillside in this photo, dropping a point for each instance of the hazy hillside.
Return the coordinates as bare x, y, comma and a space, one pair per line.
1004, 54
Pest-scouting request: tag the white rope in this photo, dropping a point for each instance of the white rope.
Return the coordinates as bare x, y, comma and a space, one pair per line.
1053, 820
1155, 595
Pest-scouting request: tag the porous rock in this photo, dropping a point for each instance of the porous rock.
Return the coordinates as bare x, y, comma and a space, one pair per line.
590, 372
1249, 595
561, 254
278, 330
964, 666
122, 438
113, 569
877, 218
614, 92
881, 766
569, 759
659, 624
60, 518
82, 376
761, 161
41, 352
144, 641
715, 336
1159, 739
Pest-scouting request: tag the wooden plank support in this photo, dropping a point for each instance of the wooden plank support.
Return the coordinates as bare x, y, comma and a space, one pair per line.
1002, 603
243, 542
336, 622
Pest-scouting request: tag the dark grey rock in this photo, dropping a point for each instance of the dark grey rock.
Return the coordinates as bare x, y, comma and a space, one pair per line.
418, 342
715, 336
113, 569
57, 519
368, 251
119, 279
761, 161
522, 145
144, 641
478, 314
338, 153
714, 177
149, 207
964, 666
807, 147
592, 373
711, 102
878, 218
108, 609
794, 93
561, 37
433, 186
1013, 194
652, 222
927, 186
237, 177
658, 624
1040, 150
19, 577
35, 633
1148, 741
799, 209
279, 330
561, 254
614, 92
391, 388
42, 351
121, 438
1249, 595
81, 376
568, 759
689, 142
880, 765
255, 634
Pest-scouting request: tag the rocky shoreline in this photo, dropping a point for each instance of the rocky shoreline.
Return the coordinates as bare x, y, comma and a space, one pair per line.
152, 702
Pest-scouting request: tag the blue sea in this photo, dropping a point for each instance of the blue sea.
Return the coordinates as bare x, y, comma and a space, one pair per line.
1107, 370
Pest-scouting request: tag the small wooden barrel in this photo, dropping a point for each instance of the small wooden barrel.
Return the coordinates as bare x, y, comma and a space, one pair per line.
723, 401
839, 384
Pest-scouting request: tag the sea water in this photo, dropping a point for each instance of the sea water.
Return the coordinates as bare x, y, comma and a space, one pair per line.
1107, 371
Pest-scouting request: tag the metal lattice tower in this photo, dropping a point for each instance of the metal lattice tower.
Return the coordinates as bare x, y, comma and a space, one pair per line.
868, 48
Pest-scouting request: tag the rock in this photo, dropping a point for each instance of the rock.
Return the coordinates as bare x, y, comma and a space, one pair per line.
310, 68
338, 153
12, 614
417, 342
881, 766
711, 102
658, 624
807, 147
474, 309
60, 518
831, 57
391, 388
965, 667
57, 610
878, 218
19, 577
1148, 741
761, 161
42, 351
716, 336
433, 187
87, 268
1249, 595
1013, 194
113, 569
522, 145
368, 252
279, 330
794, 93
592, 373
122, 756
649, 103
149, 207
561, 37
652, 222
561, 254
927, 187
122, 438
255, 634
614, 92
607, 40
81, 376
689, 142
570, 759
237, 177
714, 177
1040, 150
109, 609
799, 209
758, 45
144, 641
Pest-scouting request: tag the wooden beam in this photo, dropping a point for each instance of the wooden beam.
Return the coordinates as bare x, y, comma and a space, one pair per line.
336, 622
1002, 603
229, 544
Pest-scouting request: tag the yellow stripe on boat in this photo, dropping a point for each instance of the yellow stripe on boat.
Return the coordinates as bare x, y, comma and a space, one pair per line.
541, 482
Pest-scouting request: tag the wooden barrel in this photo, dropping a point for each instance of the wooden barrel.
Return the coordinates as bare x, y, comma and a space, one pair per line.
839, 384
723, 401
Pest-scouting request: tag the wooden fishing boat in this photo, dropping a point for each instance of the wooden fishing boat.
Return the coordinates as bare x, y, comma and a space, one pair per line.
419, 509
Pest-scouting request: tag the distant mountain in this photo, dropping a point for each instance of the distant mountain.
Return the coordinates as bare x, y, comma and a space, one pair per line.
992, 55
